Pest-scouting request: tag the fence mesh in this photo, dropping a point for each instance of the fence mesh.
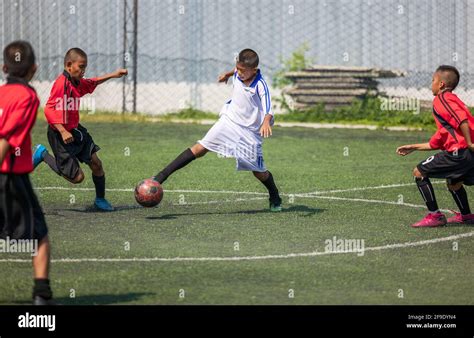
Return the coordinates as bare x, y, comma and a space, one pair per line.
175, 49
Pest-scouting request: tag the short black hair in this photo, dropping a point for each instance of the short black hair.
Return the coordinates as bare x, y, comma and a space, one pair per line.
249, 58
73, 54
449, 75
18, 57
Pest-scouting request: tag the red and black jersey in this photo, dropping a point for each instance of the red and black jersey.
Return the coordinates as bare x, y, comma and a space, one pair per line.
449, 111
18, 109
64, 100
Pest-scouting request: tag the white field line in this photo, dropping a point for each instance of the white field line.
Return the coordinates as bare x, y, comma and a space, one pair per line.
265, 257
370, 201
248, 258
242, 192
363, 188
170, 191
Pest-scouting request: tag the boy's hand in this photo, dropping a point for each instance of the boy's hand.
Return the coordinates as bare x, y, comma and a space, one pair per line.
120, 72
266, 129
471, 147
405, 150
67, 136
223, 78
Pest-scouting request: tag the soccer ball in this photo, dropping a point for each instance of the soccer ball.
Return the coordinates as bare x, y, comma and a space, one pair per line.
148, 193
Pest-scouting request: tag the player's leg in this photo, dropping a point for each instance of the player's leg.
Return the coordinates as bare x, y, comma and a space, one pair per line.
42, 294
41, 154
52, 163
85, 150
456, 167
199, 150
64, 161
266, 178
25, 220
41, 260
426, 190
434, 217
181, 161
98, 177
460, 198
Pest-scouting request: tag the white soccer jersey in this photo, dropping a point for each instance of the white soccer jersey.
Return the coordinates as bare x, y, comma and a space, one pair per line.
249, 105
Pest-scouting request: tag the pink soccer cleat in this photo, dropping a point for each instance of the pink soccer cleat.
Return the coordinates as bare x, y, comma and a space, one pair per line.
460, 218
431, 220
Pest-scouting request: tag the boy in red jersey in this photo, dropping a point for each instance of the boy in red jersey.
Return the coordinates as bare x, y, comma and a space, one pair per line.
70, 141
21, 216
455, 162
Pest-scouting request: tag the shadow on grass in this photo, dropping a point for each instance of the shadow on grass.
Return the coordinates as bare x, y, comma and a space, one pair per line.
460, 225
92, 209
293, 209
93, 299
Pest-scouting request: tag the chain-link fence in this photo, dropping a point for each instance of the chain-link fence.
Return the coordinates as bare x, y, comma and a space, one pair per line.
175, 49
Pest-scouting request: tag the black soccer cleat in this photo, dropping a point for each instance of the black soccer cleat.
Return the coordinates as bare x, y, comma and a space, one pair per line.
275, 204
38, 300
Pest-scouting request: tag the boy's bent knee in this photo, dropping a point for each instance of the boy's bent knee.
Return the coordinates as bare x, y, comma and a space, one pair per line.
198, 150
79, 178
455, 186
262, 176
417, 173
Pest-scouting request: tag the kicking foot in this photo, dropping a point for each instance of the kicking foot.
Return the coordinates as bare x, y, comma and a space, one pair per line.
38, 300
103, 204
39, 151
275, 205
461, 219
431, 220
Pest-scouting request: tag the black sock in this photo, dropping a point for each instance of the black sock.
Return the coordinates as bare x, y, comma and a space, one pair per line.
41, 288
269, 183
460, 197
182, 160
427, 192
99, 182
51, 161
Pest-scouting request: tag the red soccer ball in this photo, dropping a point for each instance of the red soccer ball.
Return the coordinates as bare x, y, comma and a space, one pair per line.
148, 193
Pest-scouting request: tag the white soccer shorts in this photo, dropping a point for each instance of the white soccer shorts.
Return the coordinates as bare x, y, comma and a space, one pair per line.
229, 139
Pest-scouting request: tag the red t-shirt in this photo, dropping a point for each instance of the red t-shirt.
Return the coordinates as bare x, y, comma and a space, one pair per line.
18, 109
449, 111
64, 100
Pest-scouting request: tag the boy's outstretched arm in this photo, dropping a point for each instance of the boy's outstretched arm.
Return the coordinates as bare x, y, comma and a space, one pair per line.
224, 77
409, 148
4, 147
114, 75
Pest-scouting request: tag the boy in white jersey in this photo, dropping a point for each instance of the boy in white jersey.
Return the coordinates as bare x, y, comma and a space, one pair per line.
243, 123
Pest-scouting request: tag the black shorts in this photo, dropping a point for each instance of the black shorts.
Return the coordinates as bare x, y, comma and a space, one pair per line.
69, 155
454, 167
21, 216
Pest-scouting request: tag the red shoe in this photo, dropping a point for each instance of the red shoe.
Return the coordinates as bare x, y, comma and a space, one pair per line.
461, 219
431, 220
